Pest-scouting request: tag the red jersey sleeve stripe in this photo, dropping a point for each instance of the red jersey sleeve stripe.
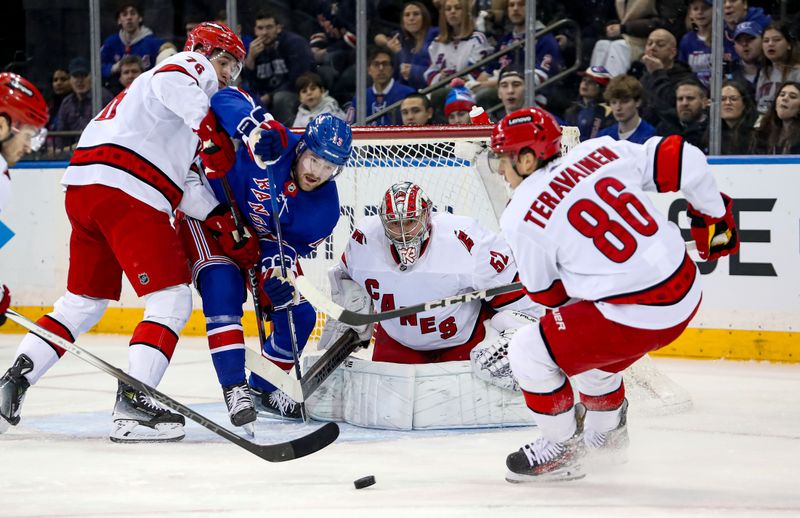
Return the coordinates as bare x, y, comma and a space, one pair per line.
667, 164
499, 301
172, 67
555, 295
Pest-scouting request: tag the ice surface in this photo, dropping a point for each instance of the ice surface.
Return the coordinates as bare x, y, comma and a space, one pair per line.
736, 453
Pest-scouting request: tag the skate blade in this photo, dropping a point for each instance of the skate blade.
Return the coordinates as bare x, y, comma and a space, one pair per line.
276, 417
559, 475
250, 429
129, 431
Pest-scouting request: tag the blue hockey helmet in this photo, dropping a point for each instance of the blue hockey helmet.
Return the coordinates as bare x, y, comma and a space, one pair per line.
329, 138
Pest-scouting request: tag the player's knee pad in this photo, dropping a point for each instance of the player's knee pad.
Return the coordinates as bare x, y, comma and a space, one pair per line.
223, 293
531, 363
170, 307
78, 313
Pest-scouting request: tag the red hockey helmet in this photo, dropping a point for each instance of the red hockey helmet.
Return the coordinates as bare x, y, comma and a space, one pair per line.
22, 102
532, 128
214, 35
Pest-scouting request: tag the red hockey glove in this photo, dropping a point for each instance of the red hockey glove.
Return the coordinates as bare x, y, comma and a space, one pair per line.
5, 301
243, 249
714, 237
267, 142
216, 148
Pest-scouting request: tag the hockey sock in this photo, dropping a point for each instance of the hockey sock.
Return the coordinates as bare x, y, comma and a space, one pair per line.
43, 353
226, 342
554, 411
151, 349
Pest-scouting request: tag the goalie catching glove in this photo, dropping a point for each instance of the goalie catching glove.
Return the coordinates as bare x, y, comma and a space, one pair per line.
349, 294
714, 237
489, 359
216, 149
241, 247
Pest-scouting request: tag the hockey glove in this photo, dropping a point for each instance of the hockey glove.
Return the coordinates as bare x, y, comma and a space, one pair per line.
5, 301
714, 237
278, 290
266, 143
241, 247
216, 148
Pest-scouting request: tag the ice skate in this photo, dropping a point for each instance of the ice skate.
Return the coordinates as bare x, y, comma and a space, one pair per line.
277, 404
241, 407
13, 386
137, 418
547, 461
612, 446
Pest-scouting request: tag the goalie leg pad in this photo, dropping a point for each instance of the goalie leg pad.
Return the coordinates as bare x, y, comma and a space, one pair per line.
423, 396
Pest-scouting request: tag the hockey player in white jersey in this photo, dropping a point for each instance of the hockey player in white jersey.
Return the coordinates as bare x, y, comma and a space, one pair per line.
23, 116
129, 172
407, 254
590, 244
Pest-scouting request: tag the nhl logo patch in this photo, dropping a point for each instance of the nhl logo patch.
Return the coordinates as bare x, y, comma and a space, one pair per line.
144, 279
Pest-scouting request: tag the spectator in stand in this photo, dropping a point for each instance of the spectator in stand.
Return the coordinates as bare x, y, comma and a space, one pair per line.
747, 42
130, 67
61, 89
781, 65
589, 113
410, 44
626, 36
166, 50
76, 109
457, 46
510, 90
548, 54
624, 94
416, 110
736, 12
384, 91
695, 49
779, 132
738, 112
314, 100
132, 38
458, 103
689, 119
275, 59
662, 75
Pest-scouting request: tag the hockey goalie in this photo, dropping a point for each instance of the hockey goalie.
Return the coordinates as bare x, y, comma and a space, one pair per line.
443, 368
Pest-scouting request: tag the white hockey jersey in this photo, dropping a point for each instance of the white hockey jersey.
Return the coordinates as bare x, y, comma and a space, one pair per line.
583, 228
461, 256
447, 58
143, 142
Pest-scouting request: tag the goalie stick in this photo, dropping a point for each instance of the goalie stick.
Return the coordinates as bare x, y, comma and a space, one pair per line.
351, 318
294, 449
301, 390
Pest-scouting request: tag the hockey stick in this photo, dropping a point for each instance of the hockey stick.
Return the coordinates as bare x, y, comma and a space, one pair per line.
276, 217
320, 301
294, 449
333, 357
251, 272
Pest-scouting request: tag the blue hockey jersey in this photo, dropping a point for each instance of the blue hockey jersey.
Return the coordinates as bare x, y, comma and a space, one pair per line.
307, 218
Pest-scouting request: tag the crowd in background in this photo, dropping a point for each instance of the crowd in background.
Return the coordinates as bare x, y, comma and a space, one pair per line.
646, 65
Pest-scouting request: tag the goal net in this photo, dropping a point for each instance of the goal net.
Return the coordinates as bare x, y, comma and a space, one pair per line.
450, 163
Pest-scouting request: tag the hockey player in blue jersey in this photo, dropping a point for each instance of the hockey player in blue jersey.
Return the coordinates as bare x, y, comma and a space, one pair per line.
309, 210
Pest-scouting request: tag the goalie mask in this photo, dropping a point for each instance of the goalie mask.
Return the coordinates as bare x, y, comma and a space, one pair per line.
406, 217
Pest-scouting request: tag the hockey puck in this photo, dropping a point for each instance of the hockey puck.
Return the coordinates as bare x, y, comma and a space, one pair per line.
364, 482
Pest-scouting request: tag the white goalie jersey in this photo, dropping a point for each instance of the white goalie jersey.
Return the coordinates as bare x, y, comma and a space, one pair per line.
143, 141
460, 256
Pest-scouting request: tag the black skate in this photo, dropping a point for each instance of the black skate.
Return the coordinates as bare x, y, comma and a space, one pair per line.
137, 418
609, 447
13, 386
546, 461
241, 407
277, 404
